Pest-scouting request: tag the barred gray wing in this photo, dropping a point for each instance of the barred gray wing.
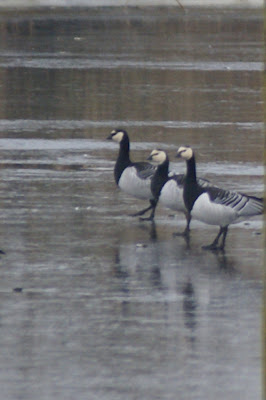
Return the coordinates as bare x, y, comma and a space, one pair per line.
243, 204
204, 183
144, 170
180, 179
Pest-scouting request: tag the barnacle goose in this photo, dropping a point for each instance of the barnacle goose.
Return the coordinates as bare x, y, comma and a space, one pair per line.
133, 177
168, 187
213, 205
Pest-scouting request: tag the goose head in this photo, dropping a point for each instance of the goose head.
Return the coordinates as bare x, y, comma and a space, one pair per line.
185, 152
118, 135
158, 156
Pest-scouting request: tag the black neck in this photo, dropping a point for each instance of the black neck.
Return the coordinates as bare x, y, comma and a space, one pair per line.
160, 178
123, 159
191, 175
191, 188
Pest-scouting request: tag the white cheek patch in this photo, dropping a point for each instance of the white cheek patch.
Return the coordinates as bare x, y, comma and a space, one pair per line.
187, 154
154, 157
161, 157
118, 137
158, 157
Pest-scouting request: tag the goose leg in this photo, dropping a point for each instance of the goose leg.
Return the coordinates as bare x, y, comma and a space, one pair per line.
225, 230
141, 212
187, 229
214, 244
151, 207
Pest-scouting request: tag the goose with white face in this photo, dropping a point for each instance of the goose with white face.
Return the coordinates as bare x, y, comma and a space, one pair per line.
167, 186
213, 205
133, 178
157, 157
117, 135
185, 152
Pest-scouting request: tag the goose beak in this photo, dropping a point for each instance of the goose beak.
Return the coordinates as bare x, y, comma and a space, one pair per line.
109, 137
178, 154
149, 158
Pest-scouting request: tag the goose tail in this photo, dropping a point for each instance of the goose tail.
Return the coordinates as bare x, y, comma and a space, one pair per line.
251, 205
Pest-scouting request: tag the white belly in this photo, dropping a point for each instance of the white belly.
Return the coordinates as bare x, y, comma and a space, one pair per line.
211, 213
172, 196
130, 183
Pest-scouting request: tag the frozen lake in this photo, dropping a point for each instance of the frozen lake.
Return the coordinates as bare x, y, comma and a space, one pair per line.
96, 304
134, 3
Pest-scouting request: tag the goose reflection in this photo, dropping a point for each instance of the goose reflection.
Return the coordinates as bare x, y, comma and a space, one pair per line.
189, 306
223, 262
137, 264
151, 229
119, 271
